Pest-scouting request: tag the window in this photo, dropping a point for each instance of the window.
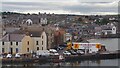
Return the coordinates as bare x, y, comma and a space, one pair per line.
11, 43
16, 50
3, 50
27, 49
3, 43
113, 28
28, 43
37, 48
16, 43
42, 42
42, 48
37, 43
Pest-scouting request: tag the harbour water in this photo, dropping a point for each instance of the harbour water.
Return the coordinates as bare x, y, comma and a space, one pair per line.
111, 62
111, 45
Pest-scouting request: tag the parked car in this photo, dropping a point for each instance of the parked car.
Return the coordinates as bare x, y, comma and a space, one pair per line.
72, 52
60, 48
43, 53
79, 52
53, 52
66, 53
17, 55
9, 56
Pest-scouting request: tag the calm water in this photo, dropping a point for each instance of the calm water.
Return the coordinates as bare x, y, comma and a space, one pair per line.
111, 45
112, 62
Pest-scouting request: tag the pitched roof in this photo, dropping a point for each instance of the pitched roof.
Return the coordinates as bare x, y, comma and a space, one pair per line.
29, 32
13, 37
35, 33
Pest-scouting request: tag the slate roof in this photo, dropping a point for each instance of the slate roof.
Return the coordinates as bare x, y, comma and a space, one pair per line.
18, 35
13, 37
35, 33
29, 32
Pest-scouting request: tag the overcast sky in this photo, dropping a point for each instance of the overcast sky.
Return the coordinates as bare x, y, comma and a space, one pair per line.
62, 6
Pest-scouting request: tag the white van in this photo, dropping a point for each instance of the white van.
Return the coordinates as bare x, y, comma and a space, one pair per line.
17, 55
9, 56
43, 53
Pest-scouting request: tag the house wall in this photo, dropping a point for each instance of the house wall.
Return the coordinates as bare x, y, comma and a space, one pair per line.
7, 46
35, 43
114, 31
44, 41
27, 45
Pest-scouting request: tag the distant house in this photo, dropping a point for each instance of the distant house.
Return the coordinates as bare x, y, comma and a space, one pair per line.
67, 36
44, 21
29, 22
111, 30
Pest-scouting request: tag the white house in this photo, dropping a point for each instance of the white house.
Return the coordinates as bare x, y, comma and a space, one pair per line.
111, 29
29, 22
114, 30
44, 21
40, 41
11, 43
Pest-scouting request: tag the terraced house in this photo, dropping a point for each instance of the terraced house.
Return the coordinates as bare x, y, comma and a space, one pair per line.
24, 42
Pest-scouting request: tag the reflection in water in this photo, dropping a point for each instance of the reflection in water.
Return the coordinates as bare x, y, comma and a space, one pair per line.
112, 62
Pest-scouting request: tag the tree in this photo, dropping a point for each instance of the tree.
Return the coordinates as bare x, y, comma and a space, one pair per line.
104, 21
101, 22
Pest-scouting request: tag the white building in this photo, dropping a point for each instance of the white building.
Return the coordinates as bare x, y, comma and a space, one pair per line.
112, 30
40, 41
29, 22
43, 21
11, 43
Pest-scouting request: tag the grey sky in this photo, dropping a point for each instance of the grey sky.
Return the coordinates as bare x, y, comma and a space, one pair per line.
62, 6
